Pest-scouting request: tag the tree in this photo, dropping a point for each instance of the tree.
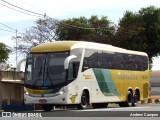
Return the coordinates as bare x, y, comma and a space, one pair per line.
44, 31
5, 67
48, 30
140, 31
4, 53
92, 29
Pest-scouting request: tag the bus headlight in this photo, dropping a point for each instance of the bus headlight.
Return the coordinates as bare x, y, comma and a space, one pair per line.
27, 93
62, 91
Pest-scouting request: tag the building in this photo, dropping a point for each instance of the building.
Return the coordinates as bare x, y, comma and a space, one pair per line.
11, 88
155, 82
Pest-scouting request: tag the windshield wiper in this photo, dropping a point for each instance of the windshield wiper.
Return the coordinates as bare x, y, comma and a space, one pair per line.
48, 76
40, 71
39, 76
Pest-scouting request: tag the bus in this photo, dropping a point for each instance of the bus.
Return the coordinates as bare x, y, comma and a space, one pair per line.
85, 74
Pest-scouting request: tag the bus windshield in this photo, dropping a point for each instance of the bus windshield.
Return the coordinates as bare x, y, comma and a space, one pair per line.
46, 69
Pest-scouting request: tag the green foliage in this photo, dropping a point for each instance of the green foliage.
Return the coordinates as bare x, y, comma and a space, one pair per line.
92, 29
140, 31
4, 52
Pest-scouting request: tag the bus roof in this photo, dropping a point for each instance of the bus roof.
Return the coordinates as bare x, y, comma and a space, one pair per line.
54, 46
59, 46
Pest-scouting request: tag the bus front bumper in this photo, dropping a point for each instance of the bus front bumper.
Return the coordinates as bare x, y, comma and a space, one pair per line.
59, 99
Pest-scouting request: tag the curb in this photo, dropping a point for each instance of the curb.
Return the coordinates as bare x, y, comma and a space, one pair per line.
152, 99
156, 101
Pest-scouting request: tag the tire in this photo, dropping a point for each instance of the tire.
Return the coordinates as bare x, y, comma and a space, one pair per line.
47, 107
84, 101
129, 101
135, 100
99, 105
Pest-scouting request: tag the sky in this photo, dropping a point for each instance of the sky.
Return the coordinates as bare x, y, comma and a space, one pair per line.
63, 9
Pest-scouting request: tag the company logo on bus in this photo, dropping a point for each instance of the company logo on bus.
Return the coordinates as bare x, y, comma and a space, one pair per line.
87, 77
127, 76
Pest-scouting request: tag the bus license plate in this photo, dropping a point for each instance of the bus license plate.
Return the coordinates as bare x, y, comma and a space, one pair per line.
42, 101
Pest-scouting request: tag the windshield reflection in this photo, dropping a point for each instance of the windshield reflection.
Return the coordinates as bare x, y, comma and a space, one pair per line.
45, 69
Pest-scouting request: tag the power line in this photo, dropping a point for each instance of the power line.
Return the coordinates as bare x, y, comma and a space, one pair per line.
30, 6
44, 15
23, 8
19, 10
7, 30
61, 23
11, 28
8, 27
85, 28
79, 27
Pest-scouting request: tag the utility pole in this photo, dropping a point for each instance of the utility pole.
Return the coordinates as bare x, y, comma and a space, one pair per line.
16, 38
16, 47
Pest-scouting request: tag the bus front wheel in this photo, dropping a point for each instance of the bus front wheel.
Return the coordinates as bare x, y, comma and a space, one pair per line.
84, 101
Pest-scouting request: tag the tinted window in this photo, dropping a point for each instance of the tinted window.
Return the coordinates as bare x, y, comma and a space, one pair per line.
109, 60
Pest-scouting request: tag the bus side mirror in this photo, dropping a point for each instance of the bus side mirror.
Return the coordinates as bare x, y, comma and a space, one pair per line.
67, 61
75, 69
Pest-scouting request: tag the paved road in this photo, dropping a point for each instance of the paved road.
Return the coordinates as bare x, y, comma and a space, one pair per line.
141, 112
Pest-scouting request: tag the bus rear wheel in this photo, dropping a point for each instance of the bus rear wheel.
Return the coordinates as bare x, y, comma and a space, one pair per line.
47, 107
84, 101
135, 100
129, 101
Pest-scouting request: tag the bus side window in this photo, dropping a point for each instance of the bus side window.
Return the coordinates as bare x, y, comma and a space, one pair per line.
88, 59
70, 72
86, 64
144, 63
73, 70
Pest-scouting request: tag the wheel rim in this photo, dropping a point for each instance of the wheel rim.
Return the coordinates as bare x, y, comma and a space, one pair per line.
130, 99
135, 99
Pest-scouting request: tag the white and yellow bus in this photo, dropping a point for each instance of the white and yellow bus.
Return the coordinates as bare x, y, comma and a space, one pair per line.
85, 73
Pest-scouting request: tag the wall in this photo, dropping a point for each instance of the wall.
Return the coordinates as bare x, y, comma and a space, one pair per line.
11, 92
11, 75
155, 82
